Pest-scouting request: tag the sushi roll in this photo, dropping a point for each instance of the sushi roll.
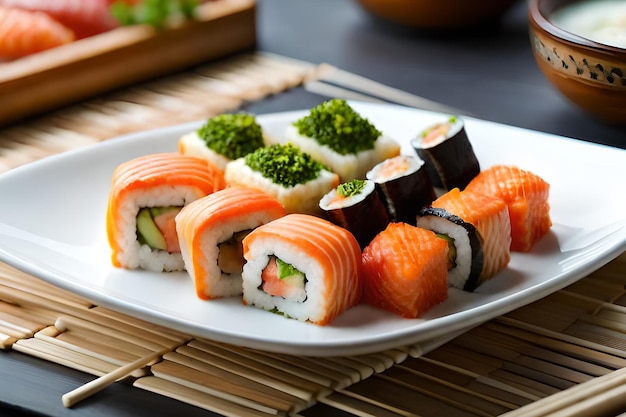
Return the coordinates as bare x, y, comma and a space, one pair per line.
489, 217
223, 138
527, 197
146, 195
210, 231
404, 186
303, 267
356, 206
335, 134
448, 154
286, 173
465, 255
405, 270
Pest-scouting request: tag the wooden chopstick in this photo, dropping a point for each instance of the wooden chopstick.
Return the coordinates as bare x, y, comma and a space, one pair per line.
582, 398
85, 391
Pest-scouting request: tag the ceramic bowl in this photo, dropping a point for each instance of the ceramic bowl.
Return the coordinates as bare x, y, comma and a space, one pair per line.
438, 14
590, 74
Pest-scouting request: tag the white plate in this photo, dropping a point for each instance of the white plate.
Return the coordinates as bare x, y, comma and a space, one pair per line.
52, 225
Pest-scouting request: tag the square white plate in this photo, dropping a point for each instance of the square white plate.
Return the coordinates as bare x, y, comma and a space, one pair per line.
52, 225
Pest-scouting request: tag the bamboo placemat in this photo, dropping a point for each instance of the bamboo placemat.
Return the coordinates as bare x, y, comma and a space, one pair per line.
563, 354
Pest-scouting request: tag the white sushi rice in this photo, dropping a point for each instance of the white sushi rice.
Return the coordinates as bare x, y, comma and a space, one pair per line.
301, 198
135, 255
217, 283
331, 202
349, 166
458, 275
193, 145
312, 308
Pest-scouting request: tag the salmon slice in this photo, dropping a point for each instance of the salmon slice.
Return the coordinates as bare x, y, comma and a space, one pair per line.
328, 256
24, 33
156, 180
527, 198
206, 224
490, 217
405, 270
84, 17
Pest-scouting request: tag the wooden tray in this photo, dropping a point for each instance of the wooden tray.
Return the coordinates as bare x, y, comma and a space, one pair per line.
64, 75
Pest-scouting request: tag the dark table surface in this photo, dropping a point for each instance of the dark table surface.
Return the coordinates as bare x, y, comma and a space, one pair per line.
489, 73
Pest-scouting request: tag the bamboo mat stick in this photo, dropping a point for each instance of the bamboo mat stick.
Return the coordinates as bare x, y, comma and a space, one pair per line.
6, 341
577, 393
245, 366
317, 378
360, 408
200, 399
276, 379
53, 353
85, 391
236, 390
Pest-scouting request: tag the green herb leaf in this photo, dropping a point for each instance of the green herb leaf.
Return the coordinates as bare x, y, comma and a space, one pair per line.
153, 12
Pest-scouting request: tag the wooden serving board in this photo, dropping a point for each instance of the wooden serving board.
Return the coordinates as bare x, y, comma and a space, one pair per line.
101, 63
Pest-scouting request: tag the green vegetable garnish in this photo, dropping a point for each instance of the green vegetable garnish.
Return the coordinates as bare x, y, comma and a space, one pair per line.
286, 270
153, 12
348, 189
284, 164
232, 135
451, 249
335, 124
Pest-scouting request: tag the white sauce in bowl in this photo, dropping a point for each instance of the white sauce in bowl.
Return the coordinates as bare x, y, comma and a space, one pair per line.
602, 21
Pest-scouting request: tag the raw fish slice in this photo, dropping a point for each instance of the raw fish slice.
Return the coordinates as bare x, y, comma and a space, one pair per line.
84, 17
526, 196
24, 33
405, 270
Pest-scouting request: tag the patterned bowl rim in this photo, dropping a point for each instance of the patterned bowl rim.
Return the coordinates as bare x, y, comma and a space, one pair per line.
538, 17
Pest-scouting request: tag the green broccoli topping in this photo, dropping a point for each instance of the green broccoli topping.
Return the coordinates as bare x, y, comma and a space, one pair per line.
232, 135
349, 189
284, 164
335, 124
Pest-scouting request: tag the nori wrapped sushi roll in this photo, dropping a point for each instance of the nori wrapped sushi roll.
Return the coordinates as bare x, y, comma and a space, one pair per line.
448, 154
356, 206
404, 186
465, 255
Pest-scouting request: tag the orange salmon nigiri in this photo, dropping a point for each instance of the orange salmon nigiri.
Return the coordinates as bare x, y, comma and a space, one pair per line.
526, 196
405, 270
211, 230
303, 267
24, 33
146, 195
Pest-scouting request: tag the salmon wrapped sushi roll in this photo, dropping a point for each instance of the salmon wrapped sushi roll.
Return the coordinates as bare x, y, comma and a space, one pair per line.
211, 230
146, 195
478, 230
223, 138
527, 198
335, 134
405, 270
286, 173
302, 267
